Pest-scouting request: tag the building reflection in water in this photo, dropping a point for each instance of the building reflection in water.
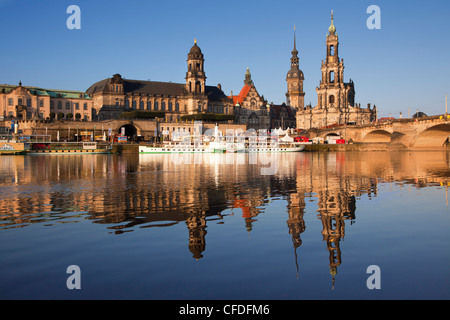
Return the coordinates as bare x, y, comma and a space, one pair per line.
144, 191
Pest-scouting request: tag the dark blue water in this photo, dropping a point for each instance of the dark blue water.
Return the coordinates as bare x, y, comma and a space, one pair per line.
149, 227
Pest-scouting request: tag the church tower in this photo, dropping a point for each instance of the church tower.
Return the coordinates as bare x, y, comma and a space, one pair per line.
295, 97
196, 80
195, 76
333, 92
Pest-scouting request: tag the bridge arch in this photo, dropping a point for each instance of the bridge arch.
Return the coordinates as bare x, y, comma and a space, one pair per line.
434, 137
331, 134
132, 130
378, 136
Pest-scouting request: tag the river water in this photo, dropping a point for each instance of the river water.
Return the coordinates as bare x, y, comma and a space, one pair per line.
363, 225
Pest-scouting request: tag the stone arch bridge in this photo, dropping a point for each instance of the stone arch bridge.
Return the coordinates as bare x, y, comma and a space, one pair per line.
425, 133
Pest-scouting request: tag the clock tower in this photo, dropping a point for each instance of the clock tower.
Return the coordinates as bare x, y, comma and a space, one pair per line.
295, 97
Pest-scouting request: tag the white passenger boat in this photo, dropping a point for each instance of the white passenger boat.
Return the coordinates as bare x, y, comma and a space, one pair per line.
181, 147
218, 143
221, 147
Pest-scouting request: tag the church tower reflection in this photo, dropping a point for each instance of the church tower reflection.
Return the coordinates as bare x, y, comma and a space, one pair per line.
196, 225
295, 222
334, 209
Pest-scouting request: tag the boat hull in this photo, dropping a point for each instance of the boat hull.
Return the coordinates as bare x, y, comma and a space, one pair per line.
155, 150
94, 151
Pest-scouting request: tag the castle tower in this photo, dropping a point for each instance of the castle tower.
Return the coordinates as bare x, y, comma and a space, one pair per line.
295, 97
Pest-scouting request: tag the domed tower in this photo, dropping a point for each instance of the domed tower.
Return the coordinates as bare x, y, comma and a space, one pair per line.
295, 97
195, 75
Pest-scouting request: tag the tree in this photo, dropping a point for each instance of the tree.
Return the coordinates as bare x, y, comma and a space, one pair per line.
52, 115
69, 116
78, 116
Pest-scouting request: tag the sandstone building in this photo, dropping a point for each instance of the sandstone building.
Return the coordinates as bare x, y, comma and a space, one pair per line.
25, 103
115, 95
335, 98
250, 107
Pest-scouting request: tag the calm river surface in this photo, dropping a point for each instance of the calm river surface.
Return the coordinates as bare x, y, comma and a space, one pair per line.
223, 226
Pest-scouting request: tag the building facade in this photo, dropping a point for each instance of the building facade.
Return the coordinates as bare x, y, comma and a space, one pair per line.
335, 98
282, 116
26, 103
250, 107
115, 95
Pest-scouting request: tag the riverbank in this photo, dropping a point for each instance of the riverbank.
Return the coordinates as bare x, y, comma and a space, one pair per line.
353, 147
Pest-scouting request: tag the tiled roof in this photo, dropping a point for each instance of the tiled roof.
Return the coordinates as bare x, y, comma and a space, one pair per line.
242, 95
155, 88
54, 93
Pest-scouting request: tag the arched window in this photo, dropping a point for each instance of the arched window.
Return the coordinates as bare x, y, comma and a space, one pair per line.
141, 105
170, 106
156, 106
331, 99
163, 106
332, 77
149, 105
133, 104
177, 107
332, 51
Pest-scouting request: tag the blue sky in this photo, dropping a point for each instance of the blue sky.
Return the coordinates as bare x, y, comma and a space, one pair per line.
403, 65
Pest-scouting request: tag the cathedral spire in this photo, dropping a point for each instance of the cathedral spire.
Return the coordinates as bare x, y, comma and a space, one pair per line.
294, 59
295, 48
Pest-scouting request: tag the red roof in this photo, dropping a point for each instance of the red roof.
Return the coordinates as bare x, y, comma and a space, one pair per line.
240, 98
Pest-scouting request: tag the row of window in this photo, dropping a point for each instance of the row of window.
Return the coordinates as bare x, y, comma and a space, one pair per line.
60, 105
149, 105
20, 102
52, 104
